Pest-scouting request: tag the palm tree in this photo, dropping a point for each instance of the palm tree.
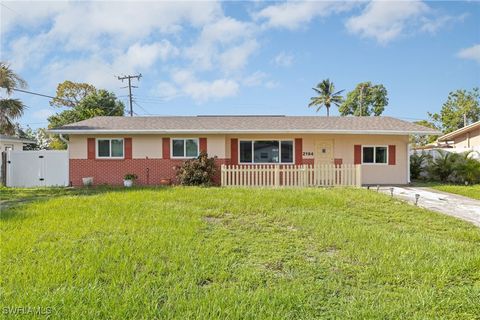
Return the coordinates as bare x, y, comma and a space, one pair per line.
10, 109
326, 96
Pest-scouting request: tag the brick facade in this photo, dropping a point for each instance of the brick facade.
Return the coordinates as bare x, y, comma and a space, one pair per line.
111, 172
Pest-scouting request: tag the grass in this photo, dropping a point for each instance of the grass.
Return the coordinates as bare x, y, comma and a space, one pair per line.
471, 191
210, 253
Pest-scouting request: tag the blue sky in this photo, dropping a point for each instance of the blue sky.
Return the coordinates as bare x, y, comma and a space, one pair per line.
243, 57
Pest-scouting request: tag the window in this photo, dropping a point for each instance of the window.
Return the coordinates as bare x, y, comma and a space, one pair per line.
185, 148
266, 151
109, 148
375, 154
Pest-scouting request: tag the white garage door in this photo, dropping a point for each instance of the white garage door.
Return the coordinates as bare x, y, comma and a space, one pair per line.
42, 168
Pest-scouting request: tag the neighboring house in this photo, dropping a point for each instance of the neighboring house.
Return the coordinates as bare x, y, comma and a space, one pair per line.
13, 143
463, 139
106, 148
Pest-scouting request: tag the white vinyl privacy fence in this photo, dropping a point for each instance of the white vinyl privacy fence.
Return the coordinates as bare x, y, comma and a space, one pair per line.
37, 168
291, 175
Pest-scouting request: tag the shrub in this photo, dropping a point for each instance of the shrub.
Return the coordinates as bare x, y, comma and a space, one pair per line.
417, 162
197, 172
468, 169
130, 176
454, 167
442, 167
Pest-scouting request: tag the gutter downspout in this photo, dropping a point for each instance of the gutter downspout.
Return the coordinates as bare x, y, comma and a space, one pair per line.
63, 139
68, 156
408, 163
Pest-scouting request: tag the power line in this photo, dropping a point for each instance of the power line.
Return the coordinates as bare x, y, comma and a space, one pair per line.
129, 78
148, 113
42, 95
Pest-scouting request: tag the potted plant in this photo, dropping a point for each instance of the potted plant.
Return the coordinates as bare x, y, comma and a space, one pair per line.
128, 179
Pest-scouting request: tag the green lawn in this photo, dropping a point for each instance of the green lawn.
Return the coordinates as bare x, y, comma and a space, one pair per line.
211, 253
472, 191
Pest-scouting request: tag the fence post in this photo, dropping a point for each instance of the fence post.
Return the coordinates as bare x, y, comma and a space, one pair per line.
222, 175
358, 178
305, 175
277, 176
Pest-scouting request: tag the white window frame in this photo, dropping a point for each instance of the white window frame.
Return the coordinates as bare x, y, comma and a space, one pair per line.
110, 141
184, 148
267, 163
374, 163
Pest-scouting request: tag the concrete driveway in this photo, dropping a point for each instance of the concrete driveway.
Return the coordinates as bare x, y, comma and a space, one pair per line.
454, 205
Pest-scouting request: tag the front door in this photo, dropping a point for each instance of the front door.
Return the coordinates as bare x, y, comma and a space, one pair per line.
323, 152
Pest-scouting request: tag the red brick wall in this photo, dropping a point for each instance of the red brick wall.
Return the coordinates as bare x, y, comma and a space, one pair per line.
111, 172
310, 162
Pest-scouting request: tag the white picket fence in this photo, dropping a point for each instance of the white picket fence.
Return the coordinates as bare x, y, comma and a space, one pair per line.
291, 175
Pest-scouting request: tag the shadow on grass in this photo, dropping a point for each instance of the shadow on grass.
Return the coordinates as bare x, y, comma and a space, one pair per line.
13, 198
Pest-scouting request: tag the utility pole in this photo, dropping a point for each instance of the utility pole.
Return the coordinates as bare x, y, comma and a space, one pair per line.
129, 78
361, 99
464, 119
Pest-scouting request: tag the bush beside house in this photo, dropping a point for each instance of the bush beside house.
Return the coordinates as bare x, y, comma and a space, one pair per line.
197, 172
447, 167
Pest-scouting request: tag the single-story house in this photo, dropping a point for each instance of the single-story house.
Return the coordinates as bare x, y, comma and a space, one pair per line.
13, 143
466, 138
106, 148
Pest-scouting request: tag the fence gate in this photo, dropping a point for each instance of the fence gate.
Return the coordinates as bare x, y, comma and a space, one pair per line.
42, 168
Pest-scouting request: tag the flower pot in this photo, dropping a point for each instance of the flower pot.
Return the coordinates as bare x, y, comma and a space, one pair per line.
128, 183
165, 182
87, 181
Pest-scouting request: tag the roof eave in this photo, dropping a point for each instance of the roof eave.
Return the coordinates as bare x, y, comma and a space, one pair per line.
18, 140
456, 133
218, 131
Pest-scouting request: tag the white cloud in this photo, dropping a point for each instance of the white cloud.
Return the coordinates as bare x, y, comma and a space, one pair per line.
259, 78
255, 79
432, 25
293, 15
99, 28
283, 59
202, 91
471, 53
236, 57
101, 71
83, 22
221, 40
166, 90
385, 20
144, 56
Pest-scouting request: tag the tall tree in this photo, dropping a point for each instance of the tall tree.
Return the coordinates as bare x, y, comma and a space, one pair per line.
69, 93
326, 96
10, 109
365, 100
461, 106
99, 103
421, 140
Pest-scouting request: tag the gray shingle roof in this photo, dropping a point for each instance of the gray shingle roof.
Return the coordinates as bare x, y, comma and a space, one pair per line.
247, 124
15, 139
